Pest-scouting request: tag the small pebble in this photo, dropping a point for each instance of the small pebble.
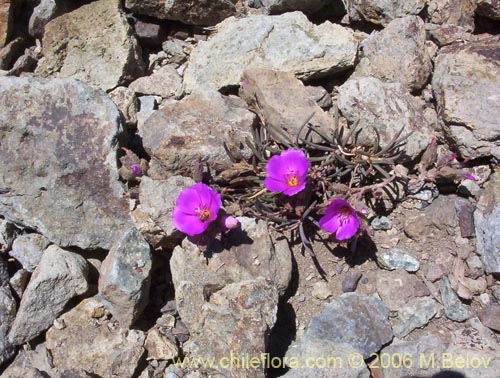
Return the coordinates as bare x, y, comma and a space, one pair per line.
398, 259
321, 291
350, 283
381, 223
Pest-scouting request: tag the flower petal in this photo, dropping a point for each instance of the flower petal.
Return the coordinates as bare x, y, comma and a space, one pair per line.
330, 222
348, 229
275, 185
209, 198
188, 200
292, 190
297, 161
275, 168
190, 224
337, 205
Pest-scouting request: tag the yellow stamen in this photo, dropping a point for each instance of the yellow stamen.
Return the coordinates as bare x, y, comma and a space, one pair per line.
292, 181
204, 215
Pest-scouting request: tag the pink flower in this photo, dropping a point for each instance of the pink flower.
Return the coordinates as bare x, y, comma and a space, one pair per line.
341, 218
136, 170
228, 222
195, 208
287, 172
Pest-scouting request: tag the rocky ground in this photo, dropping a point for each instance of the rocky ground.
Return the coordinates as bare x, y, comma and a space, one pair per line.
108, 110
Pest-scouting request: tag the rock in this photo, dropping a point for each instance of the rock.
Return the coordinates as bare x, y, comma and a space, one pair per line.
453, 308
283, 101
469, 188
7, 8
7, 315
124, 278
305, 6
4, 273
10, 52
452, 12
8, 233
381, 12
446, 34
381, 223
490, 316
436, 271
159, 347
28, 250
397, 287
94, 344
247, 309
442, 214
416, 314
416, 358
153, 216
314, 351
150, 32
165, 82
59, 277
465, 83
19, 281
25, 63
489, 9
350, 283
397, 54
42, 14
388, 107
35, 359
78, 198
17, 372
197, 126
93, 43
320, 96
321, 291
188, 12
486, 217
495, 290
465, 213
126, 101
177, 51
358, 320
287, 43
474, 267
398, 259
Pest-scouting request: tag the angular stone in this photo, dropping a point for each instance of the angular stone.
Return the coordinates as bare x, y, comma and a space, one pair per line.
165, 82
19, 281
381, 223
490, 316
42, 14
465, 213
94, 345
159, 347
283, 101
4, 273
25, 63
411, 354
358, 320
197, 126
398, 259
398, 54
28, 250
436, 272
8, 233
59, 277
446, 34
319, 95
124, 278
388, 107
452, 12
397, 287
453, 308
126, 101
7, 8
59, 142
486, 219
150, 32
465, 84
153, 216
302, 354
93, 43
350, 283
321, 291
416, 314
7, 316
381, 12
186, 11
489, 9
287, 43
10, 52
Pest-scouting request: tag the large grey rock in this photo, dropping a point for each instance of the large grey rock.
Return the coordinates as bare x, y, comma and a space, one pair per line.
94, 43
452, 12
42, 14
28, 250
381, 12
486, 219
7, 316
355, 319
165, 82
306, 360
58, 174
397, 54
416, 314
284, 43
124, 278
415, 358
94, 344
186, 11
489, 9
453, 308
388, 107
465, 83
283, 101
59, 277
197, 126
153, 216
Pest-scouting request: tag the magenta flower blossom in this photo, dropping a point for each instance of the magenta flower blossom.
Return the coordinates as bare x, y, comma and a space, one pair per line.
228, 222
341, 218
287, 172
195, 208
136, 170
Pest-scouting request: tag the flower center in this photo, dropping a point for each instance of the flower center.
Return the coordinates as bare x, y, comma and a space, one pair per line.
203, 214
292, 181
344, 215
